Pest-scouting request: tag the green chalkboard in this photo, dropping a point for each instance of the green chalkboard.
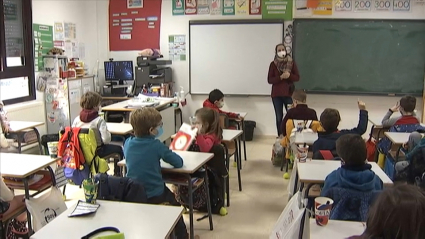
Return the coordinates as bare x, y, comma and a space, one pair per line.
360, 56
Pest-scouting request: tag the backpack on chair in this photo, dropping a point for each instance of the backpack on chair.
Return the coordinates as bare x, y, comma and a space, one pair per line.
72, 157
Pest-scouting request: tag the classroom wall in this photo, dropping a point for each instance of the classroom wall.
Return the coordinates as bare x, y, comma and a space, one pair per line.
83, 13
91, 18
260, 108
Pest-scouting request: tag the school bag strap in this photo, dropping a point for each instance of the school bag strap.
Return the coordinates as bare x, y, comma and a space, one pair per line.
102, 229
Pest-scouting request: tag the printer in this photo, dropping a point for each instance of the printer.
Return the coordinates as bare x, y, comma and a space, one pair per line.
151, 71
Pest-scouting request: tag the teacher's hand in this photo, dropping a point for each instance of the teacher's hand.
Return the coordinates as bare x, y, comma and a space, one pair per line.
285, 75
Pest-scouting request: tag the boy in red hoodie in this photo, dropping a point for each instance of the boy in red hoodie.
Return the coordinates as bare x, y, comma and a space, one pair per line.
215, 101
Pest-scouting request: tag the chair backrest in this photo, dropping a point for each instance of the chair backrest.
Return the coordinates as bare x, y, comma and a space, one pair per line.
224, 121
349, 204
218, 162
326, 155
120, 189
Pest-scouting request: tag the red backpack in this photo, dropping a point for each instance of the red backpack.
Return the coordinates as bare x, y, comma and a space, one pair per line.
69, 149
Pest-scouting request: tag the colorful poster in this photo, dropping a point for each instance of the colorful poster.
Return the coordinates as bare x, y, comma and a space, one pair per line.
178, 7
70, 30
43, 42
59, 33
242, 7
382, 5
191, 7
177, 47
324, 8
215, 7
362, 6
277, 9
255, 7
203, 7
228, 7
343, 5
401, 5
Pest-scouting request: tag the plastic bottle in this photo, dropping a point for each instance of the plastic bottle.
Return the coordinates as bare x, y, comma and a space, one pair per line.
182, 96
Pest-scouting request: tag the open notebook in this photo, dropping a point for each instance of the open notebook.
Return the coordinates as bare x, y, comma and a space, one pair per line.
184, 138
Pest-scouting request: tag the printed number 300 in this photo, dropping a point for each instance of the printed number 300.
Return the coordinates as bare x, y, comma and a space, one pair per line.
382, 4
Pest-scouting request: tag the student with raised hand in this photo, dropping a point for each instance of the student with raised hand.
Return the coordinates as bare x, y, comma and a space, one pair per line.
397, 213
329, 120
406, 106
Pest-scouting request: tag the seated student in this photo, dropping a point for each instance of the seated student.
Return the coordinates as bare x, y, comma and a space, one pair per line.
215, 101
354, 177
299, 111
354, 173
143, 153
406, 106
17, 227
209, 131
89, 118
397, 213
329, 119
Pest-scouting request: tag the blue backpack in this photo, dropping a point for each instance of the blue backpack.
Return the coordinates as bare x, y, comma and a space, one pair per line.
384, 145
349, 204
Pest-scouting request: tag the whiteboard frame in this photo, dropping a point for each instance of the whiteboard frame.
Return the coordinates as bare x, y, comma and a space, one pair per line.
229, 22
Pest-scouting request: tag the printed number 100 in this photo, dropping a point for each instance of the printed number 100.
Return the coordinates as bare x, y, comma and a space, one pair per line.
344, 4
361, 4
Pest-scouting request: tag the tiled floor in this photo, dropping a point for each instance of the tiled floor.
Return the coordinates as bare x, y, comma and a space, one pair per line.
252, 212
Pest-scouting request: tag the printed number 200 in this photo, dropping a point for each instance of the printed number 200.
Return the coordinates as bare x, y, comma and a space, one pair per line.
362, 4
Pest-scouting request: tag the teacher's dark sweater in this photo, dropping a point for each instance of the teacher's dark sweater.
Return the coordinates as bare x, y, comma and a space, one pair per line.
300, 112
280, 87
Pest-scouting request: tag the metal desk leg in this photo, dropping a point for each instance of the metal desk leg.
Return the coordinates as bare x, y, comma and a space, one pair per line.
192, 236
39, 140
208, 199
19, 136
27, 196
238, 165
244, 139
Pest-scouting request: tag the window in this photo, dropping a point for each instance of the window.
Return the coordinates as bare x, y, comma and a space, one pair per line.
16, 52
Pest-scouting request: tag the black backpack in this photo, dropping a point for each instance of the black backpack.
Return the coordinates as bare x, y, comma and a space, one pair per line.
120, 189
216, 172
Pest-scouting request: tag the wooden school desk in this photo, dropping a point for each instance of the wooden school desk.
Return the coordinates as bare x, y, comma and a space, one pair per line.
192, 162
119, 128
336, 229
377, 131
230, 135
315, 171
22, 166
164, 108
135, 220
19, 128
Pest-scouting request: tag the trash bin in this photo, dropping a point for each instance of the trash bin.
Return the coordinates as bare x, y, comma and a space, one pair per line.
249, 130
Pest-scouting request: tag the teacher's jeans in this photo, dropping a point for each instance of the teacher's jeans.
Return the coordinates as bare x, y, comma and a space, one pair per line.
278, 104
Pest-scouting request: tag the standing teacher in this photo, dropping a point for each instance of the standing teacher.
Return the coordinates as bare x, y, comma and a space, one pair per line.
282, 74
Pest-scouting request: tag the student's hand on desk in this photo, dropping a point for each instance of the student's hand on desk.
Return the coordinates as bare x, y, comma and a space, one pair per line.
361, 104
285, 75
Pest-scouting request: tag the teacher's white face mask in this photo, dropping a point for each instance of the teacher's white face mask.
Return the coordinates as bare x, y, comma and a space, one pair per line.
281, 54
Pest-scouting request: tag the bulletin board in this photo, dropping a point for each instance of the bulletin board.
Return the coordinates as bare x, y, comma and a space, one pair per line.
134, 24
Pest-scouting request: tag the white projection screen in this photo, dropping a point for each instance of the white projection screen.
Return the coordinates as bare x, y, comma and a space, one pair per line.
233, 56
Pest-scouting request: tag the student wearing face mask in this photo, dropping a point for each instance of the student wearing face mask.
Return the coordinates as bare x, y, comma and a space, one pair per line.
89, 118
143, 153
283, 72
215, 101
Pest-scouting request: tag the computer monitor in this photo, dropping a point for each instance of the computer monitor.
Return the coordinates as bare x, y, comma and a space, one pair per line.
119, 70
